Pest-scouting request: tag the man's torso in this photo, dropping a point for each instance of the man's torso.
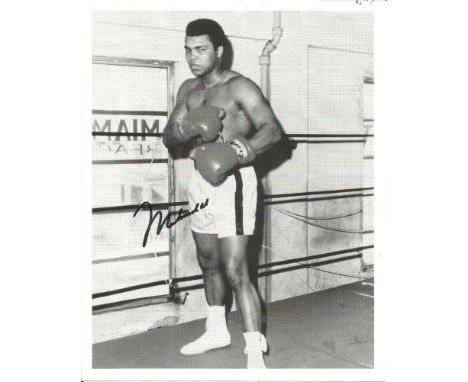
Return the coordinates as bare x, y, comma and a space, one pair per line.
235, 124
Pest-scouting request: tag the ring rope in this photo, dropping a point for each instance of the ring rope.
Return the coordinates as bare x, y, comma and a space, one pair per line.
316, 217
323, 227
318, 269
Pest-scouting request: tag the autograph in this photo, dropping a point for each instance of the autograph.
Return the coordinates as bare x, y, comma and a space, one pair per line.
165, 222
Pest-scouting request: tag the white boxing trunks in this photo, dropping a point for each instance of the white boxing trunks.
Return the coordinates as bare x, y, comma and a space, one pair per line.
231, 206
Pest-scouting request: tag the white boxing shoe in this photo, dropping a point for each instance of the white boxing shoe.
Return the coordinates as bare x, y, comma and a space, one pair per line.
210, 340
216, 334
256, 345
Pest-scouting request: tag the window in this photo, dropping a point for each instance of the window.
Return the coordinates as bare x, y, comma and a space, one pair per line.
130, 165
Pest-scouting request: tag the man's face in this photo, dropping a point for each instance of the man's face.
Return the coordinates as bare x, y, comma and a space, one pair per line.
201, 55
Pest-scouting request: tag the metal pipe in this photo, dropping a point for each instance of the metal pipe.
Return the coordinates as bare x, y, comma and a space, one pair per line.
264, 58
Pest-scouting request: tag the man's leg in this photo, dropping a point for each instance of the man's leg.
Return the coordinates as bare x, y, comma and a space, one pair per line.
234, 251
216, 334
234, 258
209, 259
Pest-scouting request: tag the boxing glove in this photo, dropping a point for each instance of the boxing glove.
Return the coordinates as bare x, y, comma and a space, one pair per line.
214, 161
204, 121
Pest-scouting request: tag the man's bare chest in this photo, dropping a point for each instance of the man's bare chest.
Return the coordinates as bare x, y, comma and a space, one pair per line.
218, 96
235, 123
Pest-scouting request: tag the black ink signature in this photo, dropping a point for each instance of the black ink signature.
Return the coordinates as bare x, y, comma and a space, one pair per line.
166, 222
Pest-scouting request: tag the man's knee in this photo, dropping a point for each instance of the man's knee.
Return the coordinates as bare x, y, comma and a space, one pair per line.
236, 277
209, 262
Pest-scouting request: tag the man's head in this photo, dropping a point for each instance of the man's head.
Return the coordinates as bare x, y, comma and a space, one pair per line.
204, 46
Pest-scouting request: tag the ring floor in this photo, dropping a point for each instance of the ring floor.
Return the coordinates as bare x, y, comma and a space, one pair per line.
328, 329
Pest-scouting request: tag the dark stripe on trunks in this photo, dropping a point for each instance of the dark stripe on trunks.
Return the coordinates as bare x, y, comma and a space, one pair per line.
239, 199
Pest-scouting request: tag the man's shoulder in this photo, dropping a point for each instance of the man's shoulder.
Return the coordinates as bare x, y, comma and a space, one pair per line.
240, 83
189, 84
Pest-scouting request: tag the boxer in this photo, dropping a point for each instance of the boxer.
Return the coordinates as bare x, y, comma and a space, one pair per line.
230, 123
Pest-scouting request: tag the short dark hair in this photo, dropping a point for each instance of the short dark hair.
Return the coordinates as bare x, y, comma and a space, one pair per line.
209, 27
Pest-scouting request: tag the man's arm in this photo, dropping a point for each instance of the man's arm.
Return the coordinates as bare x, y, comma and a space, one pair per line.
250, 99
177, 114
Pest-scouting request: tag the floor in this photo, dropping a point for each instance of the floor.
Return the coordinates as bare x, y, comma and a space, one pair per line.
328, 329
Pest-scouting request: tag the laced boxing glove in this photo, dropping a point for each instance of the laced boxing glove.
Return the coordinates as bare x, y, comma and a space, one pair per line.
214, 160
204, 121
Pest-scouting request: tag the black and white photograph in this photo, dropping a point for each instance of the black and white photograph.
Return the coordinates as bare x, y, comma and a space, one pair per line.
232, 206
233, 191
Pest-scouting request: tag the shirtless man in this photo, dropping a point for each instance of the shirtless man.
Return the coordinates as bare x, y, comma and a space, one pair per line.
227, 114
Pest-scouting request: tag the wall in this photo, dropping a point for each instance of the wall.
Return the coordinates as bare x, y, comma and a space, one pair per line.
319, 64
300, 72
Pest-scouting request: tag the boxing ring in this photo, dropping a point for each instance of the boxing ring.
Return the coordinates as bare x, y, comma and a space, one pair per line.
328, 329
